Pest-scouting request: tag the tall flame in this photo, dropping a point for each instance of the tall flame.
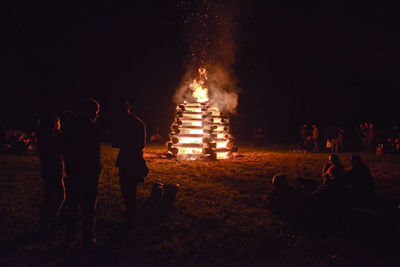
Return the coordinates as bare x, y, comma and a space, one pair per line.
200, 92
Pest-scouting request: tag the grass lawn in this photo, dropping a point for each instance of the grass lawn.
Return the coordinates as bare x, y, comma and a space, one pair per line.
218, 219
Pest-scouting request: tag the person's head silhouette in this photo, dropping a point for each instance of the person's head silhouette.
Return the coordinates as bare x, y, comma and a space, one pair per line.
279, 180
88, 108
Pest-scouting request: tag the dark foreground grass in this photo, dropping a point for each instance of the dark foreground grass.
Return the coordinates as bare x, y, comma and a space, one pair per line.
218, 218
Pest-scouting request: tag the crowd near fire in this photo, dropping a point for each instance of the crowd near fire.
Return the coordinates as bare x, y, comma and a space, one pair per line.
199, 129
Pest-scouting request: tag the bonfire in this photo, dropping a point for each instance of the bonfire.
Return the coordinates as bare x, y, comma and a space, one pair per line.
200, 130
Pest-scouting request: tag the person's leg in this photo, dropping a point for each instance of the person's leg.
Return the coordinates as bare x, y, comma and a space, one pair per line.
57, 198
72, 199
315, 145
61, 198
88, 205
44, 213
128, 192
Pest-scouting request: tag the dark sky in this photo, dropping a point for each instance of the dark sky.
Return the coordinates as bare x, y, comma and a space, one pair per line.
323, 61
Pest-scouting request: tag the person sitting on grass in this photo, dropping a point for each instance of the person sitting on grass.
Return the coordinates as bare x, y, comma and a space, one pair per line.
334, 190
361, 182
283, 198
333, 160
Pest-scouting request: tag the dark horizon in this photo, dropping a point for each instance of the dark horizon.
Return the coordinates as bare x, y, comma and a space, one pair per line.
295, 63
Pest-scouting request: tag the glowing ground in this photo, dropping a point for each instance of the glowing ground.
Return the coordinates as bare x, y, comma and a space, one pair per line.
218, 219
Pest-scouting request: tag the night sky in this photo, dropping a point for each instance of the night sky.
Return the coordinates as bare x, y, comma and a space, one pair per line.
321, 62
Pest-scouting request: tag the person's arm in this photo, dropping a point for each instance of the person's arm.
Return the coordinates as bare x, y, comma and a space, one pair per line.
98, 148
144, 135
327, 180
141, 134
325, 168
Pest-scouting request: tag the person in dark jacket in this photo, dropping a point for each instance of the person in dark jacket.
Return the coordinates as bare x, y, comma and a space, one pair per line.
283, 199
303, 136
131, 139
51, 169
334, 133
371, 138
81, 150
360, 179
315, 136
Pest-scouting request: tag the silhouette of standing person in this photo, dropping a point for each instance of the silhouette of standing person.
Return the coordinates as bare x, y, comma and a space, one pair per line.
340, 138
303, 136
315, 136
334, 139
131, 139
82, 165
371, 138
51, 169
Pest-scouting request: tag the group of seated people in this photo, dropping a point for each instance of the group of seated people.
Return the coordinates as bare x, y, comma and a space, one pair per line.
339, 189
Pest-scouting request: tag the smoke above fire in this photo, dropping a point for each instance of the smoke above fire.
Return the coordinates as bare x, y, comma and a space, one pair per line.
210, 34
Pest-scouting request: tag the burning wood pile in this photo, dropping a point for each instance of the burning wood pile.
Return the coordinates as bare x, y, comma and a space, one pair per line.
200, 130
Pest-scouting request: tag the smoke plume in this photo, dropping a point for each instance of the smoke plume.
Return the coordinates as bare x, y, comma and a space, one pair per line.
210, 31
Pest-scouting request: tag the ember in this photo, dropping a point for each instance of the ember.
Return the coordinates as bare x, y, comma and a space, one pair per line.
199, 129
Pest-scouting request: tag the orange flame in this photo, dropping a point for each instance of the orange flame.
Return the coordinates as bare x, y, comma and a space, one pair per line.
200, 92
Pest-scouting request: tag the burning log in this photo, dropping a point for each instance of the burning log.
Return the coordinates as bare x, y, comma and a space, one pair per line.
200, 131
189, 145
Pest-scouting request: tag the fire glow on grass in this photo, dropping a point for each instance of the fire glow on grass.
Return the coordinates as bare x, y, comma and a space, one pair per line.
200, 130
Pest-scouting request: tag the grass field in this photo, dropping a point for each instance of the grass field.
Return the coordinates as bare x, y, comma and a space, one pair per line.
219, 217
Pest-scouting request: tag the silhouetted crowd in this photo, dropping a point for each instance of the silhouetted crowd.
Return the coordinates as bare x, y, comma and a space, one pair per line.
309, 138
312, 141
391, 144
69, 152
379, 142
369, 139
339, 190
68, 146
